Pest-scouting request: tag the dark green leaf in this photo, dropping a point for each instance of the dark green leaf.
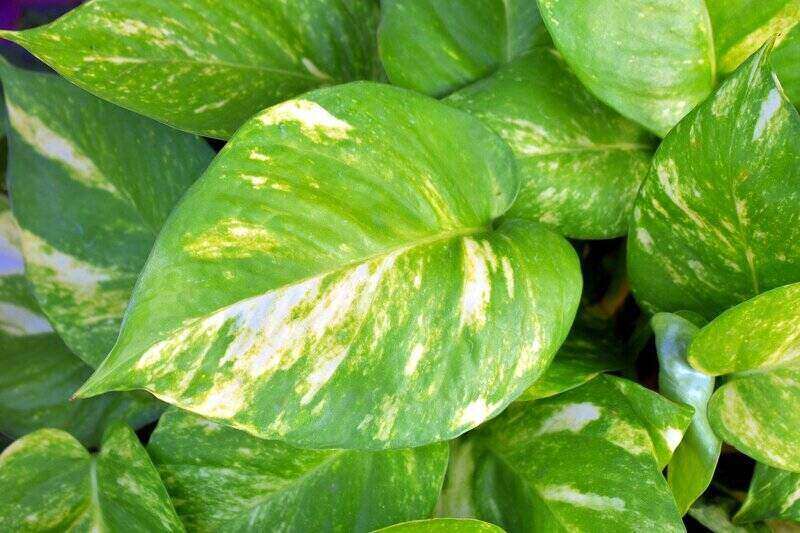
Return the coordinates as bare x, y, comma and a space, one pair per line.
226, 480
443, 525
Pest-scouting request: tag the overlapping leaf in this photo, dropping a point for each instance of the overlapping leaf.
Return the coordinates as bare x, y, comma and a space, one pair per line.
716, 511
756, 343
786, 61
651, 60
580, 163
39, 373
206, 66
226, 480
333, 280
91, 185
584, 460
773, 494
718, 219
438, 46
692, 465
443, 525
51, 483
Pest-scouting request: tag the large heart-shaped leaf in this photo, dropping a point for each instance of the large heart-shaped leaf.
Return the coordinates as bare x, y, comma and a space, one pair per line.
39, 373
786, 61
51, 483
438, 46
773, 494
91, 185
585, 460
705, 229
651, 60
443, 525
333, 279
226, 480
206, 66
692, 465
758, 344
742, 26
580, 163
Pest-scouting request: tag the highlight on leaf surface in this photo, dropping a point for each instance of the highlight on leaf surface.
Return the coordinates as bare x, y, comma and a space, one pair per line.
333, 280
718, 219
222, 479
206, 66
580, 164
51, 483
757, 345
583, 460
39, 373
693, 464
438, 46
92, 184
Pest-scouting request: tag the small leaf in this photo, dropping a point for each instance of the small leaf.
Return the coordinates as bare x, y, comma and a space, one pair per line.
715, 512
651, 60
226, 480
205, 66
51, 483
741, 27
580, 163
360, 298
718, 219
758, 344
436, 46
692, 465
91, 185
774, 494
443, 525
585, 460
39, 373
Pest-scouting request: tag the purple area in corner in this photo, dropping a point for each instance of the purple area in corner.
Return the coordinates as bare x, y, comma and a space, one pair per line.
13, 11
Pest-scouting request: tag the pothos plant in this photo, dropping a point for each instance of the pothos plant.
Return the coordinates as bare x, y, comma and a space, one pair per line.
439, 266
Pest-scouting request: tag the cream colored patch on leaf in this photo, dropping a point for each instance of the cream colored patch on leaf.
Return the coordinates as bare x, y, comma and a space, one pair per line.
673, 437
231, 239
19, 321
413, 359
769, 108
572, 496
477, 289
315, 121
475, 413
314, 70
572, 417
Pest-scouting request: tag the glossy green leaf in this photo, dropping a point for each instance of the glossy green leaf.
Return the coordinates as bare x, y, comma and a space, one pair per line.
51, 483
715, 512
586, 460
718, 219
91, 185
786, 62
758, 344
443, 525
741, 27
773, 494
580, 163
333, 279
692, 465
206, 66
222, 479
585, 354
651, 60
39, 373
438, 46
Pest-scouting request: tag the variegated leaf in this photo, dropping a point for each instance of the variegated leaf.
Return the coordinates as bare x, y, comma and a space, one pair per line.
333, 280
741, 27
580, 163
718, 219
206, 66
715, 512
756, 343
651, 60
51, 483
438, 46
586, 460
585, 354
773, 494
226, 480
693, 464
443, 525
39, 373
91, 185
